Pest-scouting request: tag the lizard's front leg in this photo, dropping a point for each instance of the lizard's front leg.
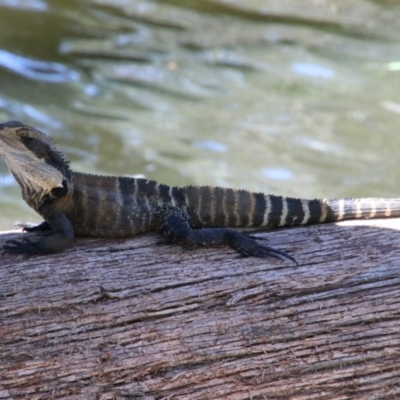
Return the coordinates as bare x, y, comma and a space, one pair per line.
31, 227
58, 235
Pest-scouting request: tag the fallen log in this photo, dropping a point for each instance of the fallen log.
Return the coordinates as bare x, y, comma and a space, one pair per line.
136, 318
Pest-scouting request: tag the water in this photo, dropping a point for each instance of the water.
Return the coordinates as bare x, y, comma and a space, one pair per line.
285, 97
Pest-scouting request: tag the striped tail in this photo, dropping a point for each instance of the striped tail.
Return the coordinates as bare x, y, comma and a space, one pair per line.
363, 208
214, 206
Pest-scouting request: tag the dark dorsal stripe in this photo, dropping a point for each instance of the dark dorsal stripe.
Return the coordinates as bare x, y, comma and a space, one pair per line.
274, 216
296, 213
206, 203
218, 207
259, 209
164, 194
314, 207
244, 207
179, 197
193, 200
230, 207
127, 187
146, 188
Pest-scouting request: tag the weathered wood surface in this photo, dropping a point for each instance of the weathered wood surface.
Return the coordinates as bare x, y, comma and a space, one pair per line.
124, 319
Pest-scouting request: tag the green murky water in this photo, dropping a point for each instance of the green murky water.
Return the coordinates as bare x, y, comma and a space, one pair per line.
286, 97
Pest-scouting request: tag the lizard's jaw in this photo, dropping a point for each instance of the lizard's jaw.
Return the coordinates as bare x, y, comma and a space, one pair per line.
32, 173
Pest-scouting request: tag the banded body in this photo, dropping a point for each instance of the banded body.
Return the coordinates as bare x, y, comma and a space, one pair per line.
121, 206
72, 203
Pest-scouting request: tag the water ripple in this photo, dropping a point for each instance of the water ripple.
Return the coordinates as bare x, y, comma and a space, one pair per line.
312, 70
38, 70
6, 180
33, 5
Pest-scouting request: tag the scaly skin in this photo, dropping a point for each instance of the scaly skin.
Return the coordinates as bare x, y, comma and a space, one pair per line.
73, 203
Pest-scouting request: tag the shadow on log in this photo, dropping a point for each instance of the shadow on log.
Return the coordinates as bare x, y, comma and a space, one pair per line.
136, 319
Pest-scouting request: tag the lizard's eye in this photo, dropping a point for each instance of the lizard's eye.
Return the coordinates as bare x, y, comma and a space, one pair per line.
23, 133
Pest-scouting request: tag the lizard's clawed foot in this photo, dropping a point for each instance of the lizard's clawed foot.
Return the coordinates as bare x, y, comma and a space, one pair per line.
248, 246
23, 246
31, 227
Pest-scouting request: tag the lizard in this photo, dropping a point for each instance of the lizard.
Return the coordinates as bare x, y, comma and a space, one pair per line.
78, 204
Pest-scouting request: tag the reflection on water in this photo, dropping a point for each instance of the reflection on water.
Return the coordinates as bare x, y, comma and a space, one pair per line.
34, 69
285, 97
313, 70
33, 5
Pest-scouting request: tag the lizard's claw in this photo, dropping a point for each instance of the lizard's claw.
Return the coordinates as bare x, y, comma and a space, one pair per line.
30, 227
248, 246
23, 246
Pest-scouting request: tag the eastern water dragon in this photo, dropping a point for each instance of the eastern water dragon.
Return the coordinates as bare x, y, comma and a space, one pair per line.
77, 204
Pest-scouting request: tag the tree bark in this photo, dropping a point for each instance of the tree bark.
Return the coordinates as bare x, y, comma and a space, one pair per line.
136, 318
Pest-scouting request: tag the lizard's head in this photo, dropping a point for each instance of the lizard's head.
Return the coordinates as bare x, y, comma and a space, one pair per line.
32, 158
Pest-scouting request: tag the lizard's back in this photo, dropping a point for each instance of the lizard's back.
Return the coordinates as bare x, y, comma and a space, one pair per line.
123, 206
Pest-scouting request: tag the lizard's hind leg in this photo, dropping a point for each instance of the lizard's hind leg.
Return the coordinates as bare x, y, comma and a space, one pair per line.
177, 229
